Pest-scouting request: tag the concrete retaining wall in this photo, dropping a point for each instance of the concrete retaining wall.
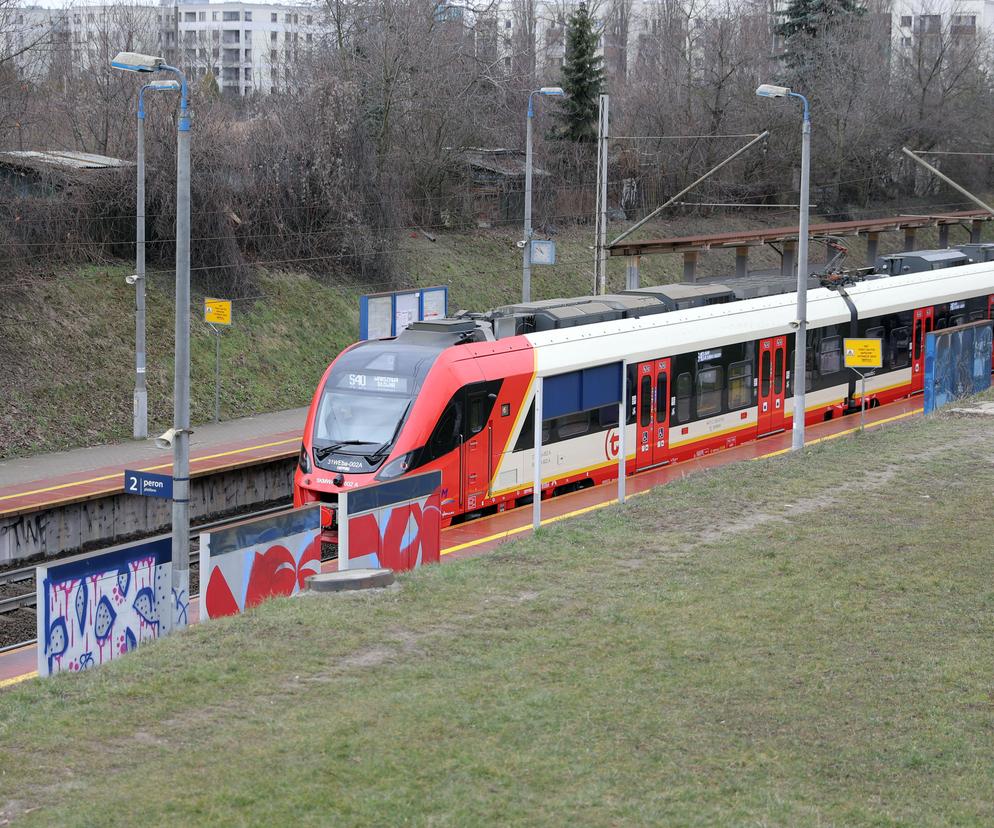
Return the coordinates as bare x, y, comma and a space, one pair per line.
77, 527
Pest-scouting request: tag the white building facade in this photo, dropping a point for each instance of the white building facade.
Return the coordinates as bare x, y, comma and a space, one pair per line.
248, 47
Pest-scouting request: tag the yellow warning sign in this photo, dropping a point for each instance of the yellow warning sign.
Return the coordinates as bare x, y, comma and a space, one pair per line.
217, 311
863, 353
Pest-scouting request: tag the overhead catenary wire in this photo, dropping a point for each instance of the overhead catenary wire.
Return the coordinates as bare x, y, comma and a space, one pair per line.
732, 204
951, 152
680, 137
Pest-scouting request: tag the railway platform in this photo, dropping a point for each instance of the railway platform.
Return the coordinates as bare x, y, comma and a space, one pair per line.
46, 480
485, 534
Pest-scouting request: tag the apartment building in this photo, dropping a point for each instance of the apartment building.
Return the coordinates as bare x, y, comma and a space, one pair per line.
914, 21
251, 48
248, 47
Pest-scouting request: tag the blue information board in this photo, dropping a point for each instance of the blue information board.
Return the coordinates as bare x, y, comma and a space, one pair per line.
387, 314
147, 484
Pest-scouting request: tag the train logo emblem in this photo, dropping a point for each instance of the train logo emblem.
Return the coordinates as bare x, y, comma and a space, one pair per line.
611, 444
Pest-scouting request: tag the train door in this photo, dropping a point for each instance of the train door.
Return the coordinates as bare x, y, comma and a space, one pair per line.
772, 390
475, 454
924, 321
652, 407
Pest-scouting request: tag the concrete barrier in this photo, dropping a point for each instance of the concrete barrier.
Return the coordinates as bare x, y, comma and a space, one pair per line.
113, 518
395, 525
957, 363
97, 607
243, 564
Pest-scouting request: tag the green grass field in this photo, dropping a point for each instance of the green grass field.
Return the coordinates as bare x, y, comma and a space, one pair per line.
67, 340
795, 641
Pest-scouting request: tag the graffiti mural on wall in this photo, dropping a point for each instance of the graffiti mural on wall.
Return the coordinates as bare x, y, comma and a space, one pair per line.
395, 525
245, 564
957, 363
95, 608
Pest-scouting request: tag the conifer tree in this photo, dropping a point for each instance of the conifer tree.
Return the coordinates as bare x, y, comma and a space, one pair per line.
208, 86
804, 20
582, 77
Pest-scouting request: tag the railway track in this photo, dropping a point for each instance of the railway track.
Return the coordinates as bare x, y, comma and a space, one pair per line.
25, 598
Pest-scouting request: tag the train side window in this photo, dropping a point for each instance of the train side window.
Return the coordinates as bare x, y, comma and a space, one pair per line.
526, 437
958, 320
710, 383
476, 413
684, 389
941, 323
572, 425
607, 416
976, 316
764, 374
645, 402
740, 384
899, 341
445, 436
830, 355
662, 397
875, 333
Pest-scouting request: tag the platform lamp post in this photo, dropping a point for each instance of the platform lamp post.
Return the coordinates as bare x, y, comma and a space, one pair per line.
767, 90
179, 435
138, 280
526, 269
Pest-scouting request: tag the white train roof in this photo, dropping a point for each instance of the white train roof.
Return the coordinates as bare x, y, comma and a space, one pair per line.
696, 329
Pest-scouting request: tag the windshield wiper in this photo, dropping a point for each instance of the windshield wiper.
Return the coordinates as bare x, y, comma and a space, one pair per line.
323, 451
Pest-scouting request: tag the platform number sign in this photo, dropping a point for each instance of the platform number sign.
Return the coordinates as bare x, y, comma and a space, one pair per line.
146, 484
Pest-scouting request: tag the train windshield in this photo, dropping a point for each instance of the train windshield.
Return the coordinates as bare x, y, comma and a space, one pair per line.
368, 394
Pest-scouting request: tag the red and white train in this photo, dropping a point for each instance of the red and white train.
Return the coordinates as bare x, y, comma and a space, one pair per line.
457, 394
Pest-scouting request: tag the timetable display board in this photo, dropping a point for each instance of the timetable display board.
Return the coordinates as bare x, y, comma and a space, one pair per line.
383, 315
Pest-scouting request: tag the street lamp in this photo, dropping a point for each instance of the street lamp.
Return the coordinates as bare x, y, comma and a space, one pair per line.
138, 280
767, 90
179, 434
526, 270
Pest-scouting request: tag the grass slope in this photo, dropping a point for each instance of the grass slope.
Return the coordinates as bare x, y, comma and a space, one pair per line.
67, 339
786, 642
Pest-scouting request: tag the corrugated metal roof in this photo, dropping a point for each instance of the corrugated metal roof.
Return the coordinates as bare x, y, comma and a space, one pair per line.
509, 163
61, 158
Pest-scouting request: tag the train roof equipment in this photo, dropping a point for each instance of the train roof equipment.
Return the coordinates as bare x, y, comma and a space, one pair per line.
717, 325
682, 295
983, 252
918, 261
566, 313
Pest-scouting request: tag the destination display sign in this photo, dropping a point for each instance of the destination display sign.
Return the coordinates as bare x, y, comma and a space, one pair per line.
376, 382
863, 353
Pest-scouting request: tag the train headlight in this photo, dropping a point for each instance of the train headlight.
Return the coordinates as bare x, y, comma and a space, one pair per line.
397, 466
305, 460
